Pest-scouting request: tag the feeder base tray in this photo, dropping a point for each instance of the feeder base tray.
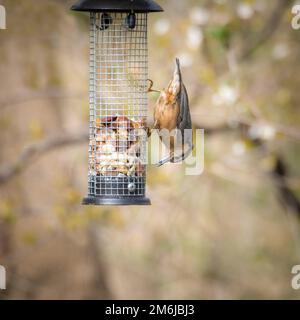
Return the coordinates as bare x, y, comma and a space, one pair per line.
120, 201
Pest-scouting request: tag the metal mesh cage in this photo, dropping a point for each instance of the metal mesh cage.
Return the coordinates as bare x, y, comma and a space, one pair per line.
118, 108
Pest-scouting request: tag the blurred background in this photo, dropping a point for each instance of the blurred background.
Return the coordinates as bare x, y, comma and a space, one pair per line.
233, 232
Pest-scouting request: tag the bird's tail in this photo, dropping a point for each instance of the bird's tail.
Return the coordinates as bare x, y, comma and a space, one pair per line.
177, 79
177, 72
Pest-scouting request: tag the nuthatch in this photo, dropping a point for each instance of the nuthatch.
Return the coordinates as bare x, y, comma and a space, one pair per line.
172, 113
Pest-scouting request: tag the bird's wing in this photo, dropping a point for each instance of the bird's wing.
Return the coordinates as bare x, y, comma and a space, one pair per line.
184, 120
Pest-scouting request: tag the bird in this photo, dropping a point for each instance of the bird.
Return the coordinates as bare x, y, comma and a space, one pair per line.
172, 117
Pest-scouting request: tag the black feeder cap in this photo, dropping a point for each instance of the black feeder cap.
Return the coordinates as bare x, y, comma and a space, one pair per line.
137, 6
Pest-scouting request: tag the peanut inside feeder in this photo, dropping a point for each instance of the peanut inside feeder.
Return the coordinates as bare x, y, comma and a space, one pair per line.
116, 147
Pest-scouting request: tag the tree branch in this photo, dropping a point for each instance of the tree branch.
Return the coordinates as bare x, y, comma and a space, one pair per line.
34, 151
269, 29
51, 94
287, 195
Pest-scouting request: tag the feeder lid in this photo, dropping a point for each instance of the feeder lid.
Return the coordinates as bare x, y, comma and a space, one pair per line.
117, 6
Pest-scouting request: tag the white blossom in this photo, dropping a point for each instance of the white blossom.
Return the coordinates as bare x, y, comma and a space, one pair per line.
239, 148
280, 51
245, 11
162, 26
199, 16
194, 37
226, 95
262, 131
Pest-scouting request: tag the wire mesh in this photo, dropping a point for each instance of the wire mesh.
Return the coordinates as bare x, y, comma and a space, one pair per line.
118, 104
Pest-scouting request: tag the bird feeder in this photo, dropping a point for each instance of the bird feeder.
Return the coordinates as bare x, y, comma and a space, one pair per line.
118, 100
